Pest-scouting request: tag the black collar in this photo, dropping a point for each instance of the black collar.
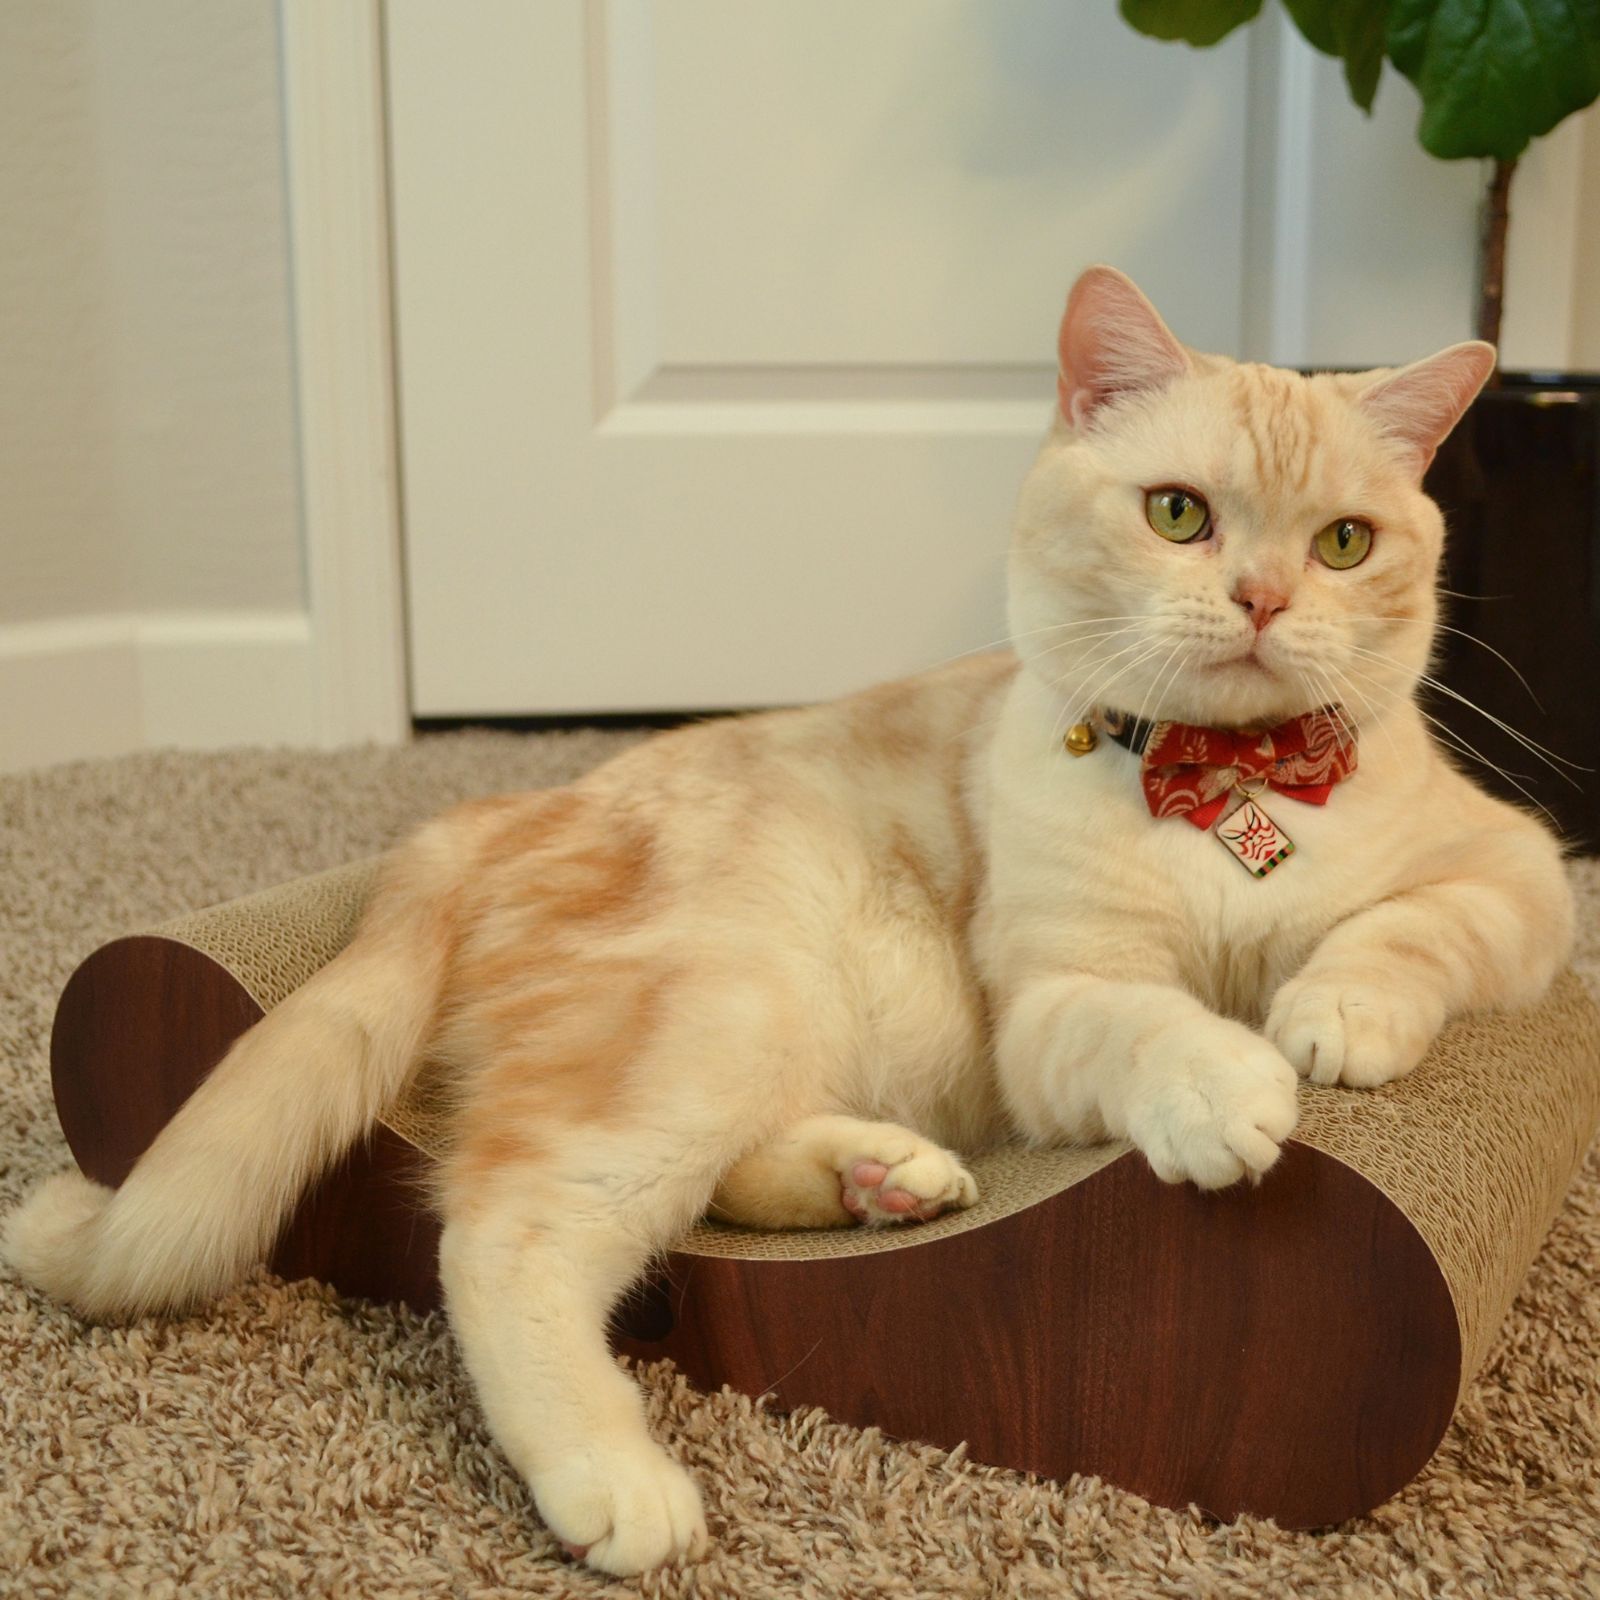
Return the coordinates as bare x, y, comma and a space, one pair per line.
1121, 727
1133, 733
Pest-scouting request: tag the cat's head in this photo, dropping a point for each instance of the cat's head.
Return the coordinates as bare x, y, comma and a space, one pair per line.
1227, 543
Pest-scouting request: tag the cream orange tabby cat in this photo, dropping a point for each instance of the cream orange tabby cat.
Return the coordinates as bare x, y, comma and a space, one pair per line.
783, 965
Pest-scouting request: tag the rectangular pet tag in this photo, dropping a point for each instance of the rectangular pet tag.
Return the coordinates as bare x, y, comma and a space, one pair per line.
1257, 842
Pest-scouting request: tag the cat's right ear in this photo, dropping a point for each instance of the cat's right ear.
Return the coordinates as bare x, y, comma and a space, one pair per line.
1113, 342
1418, 405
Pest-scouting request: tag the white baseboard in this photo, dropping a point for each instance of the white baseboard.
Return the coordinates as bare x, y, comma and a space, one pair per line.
79, 687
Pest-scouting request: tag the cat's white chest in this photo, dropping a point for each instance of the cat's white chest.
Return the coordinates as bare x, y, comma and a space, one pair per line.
1073, 841
1269, 860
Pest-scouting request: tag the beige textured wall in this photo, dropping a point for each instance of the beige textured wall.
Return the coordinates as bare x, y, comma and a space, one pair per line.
146, 404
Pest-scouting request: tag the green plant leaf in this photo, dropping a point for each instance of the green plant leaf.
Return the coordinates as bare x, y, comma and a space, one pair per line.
1363, 50
1321, 21
1197, 22
1354, 31
1495, 74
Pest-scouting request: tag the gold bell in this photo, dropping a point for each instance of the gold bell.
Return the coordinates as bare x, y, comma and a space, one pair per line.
1080, 739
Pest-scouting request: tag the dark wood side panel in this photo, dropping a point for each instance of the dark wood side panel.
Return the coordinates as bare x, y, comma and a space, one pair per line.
138, 1027
1290, 1350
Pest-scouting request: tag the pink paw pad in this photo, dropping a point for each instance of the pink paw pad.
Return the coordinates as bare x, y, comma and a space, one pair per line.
862, 1204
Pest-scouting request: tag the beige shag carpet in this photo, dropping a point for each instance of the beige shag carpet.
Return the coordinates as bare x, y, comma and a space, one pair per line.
287, 1443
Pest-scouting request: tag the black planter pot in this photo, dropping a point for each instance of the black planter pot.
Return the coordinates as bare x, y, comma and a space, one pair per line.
1519, 482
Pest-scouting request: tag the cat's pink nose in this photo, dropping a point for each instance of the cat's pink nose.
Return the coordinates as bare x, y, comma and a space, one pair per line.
1261, 602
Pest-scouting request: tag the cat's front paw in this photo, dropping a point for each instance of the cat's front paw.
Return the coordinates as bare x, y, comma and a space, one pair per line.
1352, 1032
622, 1510
1210, 1104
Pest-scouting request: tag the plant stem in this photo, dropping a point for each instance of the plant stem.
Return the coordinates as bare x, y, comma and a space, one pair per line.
1492, 252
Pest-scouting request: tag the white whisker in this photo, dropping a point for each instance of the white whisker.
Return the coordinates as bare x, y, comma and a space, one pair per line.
1087, 702
1068, 644
1345, 690
1150, 706
1549, 757
1460, 633
1027, 633
1461, 745
1094, 664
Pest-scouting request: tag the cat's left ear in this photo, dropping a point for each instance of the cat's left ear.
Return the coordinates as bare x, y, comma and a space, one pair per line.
1113, 342
1419, 405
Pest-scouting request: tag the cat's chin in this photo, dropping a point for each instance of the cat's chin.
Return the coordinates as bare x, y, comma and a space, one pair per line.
1240, 694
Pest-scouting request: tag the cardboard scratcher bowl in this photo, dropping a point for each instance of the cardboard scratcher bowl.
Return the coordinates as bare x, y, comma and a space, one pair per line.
1295, 1349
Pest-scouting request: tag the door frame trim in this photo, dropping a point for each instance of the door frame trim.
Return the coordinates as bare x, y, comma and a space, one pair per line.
337, 182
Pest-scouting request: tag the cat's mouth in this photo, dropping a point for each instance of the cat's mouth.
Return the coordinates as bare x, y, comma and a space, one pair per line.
1246, 661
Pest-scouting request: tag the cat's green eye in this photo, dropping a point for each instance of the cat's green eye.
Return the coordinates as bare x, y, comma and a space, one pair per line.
1177, 514
1344, 543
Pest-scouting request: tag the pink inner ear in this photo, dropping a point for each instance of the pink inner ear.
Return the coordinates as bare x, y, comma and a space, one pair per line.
1419, 405
1112, 343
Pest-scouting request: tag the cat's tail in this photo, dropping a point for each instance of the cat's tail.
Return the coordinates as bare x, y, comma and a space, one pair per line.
206, 1200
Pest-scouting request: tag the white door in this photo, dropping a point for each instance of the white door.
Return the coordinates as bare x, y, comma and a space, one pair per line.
726, 327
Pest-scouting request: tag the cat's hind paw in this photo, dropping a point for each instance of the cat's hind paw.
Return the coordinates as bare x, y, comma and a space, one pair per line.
884, 1187
829, 1171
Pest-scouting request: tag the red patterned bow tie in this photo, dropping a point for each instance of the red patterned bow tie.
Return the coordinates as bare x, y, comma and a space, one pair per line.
1190, 772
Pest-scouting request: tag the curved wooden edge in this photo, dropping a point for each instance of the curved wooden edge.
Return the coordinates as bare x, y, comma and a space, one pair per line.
140, 1023
1290, 1350
138, 1026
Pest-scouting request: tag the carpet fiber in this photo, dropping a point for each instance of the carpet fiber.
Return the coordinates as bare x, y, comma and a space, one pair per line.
287, 1443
